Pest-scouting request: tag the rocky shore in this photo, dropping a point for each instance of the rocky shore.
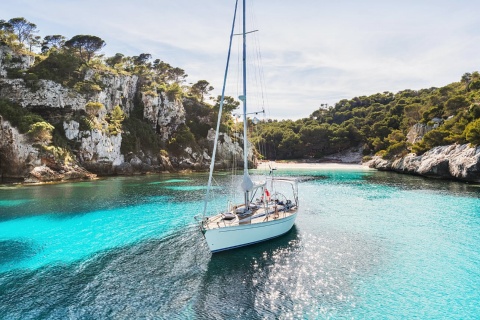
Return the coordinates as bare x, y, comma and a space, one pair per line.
457, 162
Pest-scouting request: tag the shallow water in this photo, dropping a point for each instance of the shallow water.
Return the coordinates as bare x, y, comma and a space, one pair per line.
366, 244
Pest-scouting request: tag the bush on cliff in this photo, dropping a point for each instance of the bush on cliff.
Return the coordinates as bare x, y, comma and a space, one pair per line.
472, 132
18, 116
41, 132
59, 66
115, 119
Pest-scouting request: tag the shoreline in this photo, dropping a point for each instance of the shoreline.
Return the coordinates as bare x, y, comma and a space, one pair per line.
311, 165
282, 164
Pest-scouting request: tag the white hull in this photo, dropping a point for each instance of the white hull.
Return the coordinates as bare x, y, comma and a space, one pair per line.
226, 238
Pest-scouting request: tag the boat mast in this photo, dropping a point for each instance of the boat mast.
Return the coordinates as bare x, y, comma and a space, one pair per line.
247, 182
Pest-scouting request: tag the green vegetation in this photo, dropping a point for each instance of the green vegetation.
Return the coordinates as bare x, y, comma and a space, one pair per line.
18, 29
201, 89
62, 155
85, 46
41, 132
182, 138
115, 119
379, 123
58, 66
139, 135
201, 117
18, 116
93, 108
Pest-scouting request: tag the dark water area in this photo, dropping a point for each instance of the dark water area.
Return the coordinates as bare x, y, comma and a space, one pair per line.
171, 278
366, 244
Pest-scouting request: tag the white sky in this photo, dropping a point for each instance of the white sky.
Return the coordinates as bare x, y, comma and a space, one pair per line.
313, 51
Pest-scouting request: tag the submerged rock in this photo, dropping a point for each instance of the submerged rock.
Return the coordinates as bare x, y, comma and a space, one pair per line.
46, 174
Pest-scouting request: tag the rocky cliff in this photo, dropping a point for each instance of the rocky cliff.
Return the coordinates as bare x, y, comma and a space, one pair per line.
85, 140
456, 161
16, 152
460, 162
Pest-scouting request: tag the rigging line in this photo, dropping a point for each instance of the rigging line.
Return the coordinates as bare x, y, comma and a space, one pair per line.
219, 114
256, 62
233, 163
239, 68
241, 34
265, 101
264, 93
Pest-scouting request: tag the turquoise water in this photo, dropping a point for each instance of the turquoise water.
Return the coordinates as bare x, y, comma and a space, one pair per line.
366, 245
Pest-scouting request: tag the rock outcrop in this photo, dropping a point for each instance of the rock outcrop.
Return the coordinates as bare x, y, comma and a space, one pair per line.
228, 150
460, 162
416, 133
46, 174
48, 95
19, 158
164, 115
92, 144
11, 60
352, 155
17, 154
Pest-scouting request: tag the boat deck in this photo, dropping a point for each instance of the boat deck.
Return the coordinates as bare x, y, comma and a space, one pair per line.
256, 214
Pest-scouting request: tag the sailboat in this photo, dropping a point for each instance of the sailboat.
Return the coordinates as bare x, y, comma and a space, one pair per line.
269, 207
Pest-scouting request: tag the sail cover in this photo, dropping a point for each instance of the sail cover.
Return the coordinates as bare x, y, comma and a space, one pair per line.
249, 185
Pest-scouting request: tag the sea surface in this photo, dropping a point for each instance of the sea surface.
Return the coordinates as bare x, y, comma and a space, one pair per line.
366, 245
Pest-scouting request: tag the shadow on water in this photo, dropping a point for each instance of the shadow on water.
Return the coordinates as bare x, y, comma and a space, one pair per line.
14, 251
229, 286
153, 279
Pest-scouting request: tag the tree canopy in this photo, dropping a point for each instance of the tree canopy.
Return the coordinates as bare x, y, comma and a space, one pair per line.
52, 41
379, 123
85, 45
201, 89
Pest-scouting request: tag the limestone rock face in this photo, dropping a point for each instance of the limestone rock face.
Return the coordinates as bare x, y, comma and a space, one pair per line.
49, 95
118, 90
417, 132
20, 159
227, 149
455, 161
17, 155
21, 62
96, 146
100, 146
164, 115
